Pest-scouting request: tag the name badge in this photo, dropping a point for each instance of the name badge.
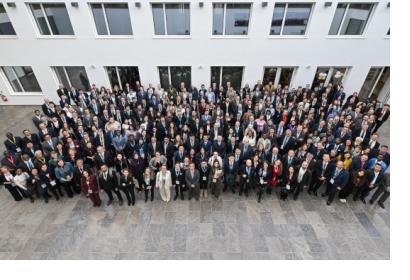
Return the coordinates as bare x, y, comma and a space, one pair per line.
148, 187
287, 187
247, 180
18, 150
332, 181
177, 182
204, 178
43, 186
90, 191
261, 181
53, 183
214, 180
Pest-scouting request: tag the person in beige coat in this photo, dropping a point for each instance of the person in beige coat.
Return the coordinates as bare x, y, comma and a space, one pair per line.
164, 183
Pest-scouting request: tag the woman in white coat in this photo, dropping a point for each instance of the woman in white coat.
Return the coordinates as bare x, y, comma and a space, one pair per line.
164, 183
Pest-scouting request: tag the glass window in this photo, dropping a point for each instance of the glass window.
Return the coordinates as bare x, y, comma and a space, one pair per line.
52, 18
286, 76
58, 19
351, 18
6, 28
296, 17
40, 19
338, 75
75, 76
164, 78
177, 16
112, 18
231, 74
269, 75
122, 75
237, 19
176, 21
218, 19
62, 77
216, 75
99, 19
180, 75
320, 76
21, 78
158, 15
118, 18
173, 76
277, 18
375, 80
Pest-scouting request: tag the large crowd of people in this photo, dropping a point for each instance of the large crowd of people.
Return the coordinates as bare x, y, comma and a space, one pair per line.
198, 142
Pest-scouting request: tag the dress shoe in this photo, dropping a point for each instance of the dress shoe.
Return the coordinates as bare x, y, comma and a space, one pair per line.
371, 201
323, 194
380, 204
315, 193
129, 203
109, 202
309, 192
121, 202
175, 197
363, 200
328, 203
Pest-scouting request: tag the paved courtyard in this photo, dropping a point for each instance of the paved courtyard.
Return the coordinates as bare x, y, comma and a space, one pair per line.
232, 227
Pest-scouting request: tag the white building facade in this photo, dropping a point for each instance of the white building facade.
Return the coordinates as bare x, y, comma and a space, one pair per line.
78, 43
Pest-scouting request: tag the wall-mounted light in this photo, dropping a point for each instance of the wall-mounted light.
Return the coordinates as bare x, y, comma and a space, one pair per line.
138, 4
201, 4
11, 4
388, 5
74, 4
264, 4
328, 4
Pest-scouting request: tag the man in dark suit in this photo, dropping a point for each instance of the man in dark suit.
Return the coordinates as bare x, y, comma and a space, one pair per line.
101, 140
384, 187
30, 137
219, 146
290, 159
247, 171
230, 169
303, 179
323, 169
192, 178
108, 181
287, 142
37, 118
49, 144
13, 143
103, 157
374, 180
382, 114
178, 181
337, 182
191, 143
246, 149
78, 173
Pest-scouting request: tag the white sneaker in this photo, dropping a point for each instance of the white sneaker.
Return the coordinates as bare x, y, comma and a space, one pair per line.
342, 200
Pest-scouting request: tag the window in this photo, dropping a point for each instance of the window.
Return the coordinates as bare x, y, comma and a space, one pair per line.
120, 76
388, 32
351, 18
223, 74
326, 75
374, 83
171, 18
6, 28
75, 76
112, 19
52, 18
231, 18
21, 78
278, 75
173, 76
290, 18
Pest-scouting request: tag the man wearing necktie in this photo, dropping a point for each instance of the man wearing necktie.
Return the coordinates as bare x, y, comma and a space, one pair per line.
337, 182
246, 173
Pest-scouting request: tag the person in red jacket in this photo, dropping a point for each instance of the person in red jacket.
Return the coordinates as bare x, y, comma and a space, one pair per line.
90, 189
